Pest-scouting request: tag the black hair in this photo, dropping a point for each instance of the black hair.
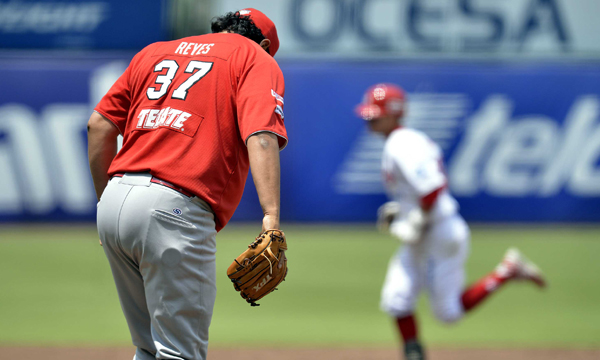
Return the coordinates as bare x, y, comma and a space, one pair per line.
239, 24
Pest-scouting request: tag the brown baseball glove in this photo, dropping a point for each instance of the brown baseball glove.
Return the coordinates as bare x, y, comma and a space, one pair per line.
258, 270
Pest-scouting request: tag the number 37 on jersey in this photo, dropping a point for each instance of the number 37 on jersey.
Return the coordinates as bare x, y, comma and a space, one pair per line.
171, 117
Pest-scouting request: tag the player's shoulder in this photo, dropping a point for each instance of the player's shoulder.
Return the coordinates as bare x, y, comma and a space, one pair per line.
404, 137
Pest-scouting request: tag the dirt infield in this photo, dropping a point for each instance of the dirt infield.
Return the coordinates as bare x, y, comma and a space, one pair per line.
31, 353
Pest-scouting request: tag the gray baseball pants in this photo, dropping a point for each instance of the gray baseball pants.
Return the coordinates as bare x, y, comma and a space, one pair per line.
161, 248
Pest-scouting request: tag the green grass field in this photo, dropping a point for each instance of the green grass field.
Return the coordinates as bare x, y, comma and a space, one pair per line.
56, 289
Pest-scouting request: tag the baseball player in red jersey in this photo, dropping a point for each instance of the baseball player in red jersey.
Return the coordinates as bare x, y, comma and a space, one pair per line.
195, 115
424, 216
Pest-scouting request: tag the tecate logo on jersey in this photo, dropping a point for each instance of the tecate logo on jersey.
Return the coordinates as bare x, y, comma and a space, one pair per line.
167, 117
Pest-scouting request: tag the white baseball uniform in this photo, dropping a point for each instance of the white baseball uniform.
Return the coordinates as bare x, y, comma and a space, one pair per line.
412, 167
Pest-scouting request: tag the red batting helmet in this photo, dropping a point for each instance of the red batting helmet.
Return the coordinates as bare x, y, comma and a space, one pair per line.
380, 100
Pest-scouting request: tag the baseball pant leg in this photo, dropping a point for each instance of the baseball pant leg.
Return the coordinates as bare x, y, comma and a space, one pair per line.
171, 239
179, 269
449, 241
126, 274
403, 281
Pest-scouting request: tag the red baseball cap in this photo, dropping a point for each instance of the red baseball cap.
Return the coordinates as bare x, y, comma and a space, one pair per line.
380, 100
266, 26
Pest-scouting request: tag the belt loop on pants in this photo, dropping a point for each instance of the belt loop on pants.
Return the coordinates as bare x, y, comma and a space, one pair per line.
156, 180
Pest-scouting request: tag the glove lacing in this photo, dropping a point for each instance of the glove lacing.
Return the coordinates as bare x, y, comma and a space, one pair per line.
270, 264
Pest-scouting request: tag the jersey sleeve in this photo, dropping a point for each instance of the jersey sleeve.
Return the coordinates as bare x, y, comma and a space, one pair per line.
420, 163
260, 99
116, 103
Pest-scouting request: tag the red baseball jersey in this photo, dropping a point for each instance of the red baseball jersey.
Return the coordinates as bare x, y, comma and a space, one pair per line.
187, 107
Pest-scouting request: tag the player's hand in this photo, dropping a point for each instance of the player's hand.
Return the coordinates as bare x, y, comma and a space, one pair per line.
410, 229
406, 232
100, 241
386, 215
270, 222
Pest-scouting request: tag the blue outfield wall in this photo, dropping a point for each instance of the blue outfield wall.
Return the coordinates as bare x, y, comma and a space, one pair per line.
82, 24
521, 140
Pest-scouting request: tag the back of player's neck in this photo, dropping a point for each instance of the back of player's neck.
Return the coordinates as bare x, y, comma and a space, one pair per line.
399, 126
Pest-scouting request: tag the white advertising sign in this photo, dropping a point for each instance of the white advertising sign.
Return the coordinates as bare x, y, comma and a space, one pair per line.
363, 28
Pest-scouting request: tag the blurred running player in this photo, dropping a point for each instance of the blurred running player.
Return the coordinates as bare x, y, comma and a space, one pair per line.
425, 217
